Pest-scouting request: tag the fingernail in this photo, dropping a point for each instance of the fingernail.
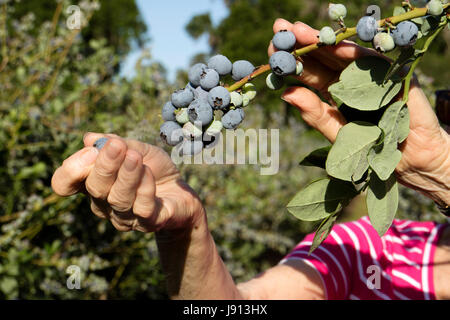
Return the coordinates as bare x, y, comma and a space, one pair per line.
112, 150
88, 157
130, 164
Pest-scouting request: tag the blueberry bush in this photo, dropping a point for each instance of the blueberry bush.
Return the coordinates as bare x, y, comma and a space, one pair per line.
51, 94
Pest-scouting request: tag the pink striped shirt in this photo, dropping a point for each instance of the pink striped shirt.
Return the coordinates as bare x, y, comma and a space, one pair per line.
355, 263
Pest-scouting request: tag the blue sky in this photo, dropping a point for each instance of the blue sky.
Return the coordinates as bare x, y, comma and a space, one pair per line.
170, 44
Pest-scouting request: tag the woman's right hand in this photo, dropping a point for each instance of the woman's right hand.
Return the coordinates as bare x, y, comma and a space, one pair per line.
134, 185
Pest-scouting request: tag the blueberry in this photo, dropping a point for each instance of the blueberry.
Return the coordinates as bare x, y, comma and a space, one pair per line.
249, 91
327, 36
435, 7
283, 63
191, 148
191, 88
195, 72
201, 94
168, 112
233, 118
418, 3
236, 99
337, 12
191, 131
100, 143
219, 98
221, 64
299, 68
405, 34
200, 112
383, 42
242, 69
274, 82
182, 98
182, 116
284, 40
367, 28
171, 133
209, 79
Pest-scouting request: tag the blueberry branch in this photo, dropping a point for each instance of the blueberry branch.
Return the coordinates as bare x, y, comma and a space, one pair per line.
349, 32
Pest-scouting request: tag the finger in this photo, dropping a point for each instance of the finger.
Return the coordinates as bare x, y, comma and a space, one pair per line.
100, 208
420, 111
145, 203
90, 137
123, 192
104, 173
281, 24
315, 112
68, 179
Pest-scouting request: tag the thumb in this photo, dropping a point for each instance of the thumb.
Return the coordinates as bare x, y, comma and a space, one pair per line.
67, 179
318, 114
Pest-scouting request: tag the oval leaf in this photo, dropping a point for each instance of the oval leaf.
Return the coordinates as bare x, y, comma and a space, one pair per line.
348, 155
321, 199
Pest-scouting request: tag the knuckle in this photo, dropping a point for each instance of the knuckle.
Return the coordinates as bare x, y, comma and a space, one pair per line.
96, 191
119, 203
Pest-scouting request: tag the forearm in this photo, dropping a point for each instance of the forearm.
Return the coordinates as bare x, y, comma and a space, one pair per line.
193, 267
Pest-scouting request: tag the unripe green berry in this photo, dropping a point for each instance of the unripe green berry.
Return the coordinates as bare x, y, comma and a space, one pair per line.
337, 11
327, 36
191, 131
299, 68
435, 7
383, 42
274, 82
249, 90
182, 116
236, 99
245, 100
214, 128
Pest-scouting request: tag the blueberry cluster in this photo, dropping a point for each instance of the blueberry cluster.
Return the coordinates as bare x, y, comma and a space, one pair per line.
282, 62
404, 34
196, 114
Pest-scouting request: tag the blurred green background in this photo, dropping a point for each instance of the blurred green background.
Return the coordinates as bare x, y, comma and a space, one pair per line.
56, 84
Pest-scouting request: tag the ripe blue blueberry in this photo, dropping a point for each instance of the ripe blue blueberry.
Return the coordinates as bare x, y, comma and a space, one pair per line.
192, 147
100, 143
242, 69
201, 94
168, 112
274, 82
327, 36
367, 28
233, 118
195, 72
200, 112
405, 34
171, 133
283, 63
284, 40
383, 42
209, 79
337, 12
219, 98
182, 98
221, 64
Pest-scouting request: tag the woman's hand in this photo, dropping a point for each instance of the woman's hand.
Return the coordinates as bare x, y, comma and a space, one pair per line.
134, 185
425, 163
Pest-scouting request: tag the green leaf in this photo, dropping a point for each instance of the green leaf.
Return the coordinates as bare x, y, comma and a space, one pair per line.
383, 158
361, 85
317, 158
429, 23
382, 202
348, 155
322, 232
321, 199
403, 124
